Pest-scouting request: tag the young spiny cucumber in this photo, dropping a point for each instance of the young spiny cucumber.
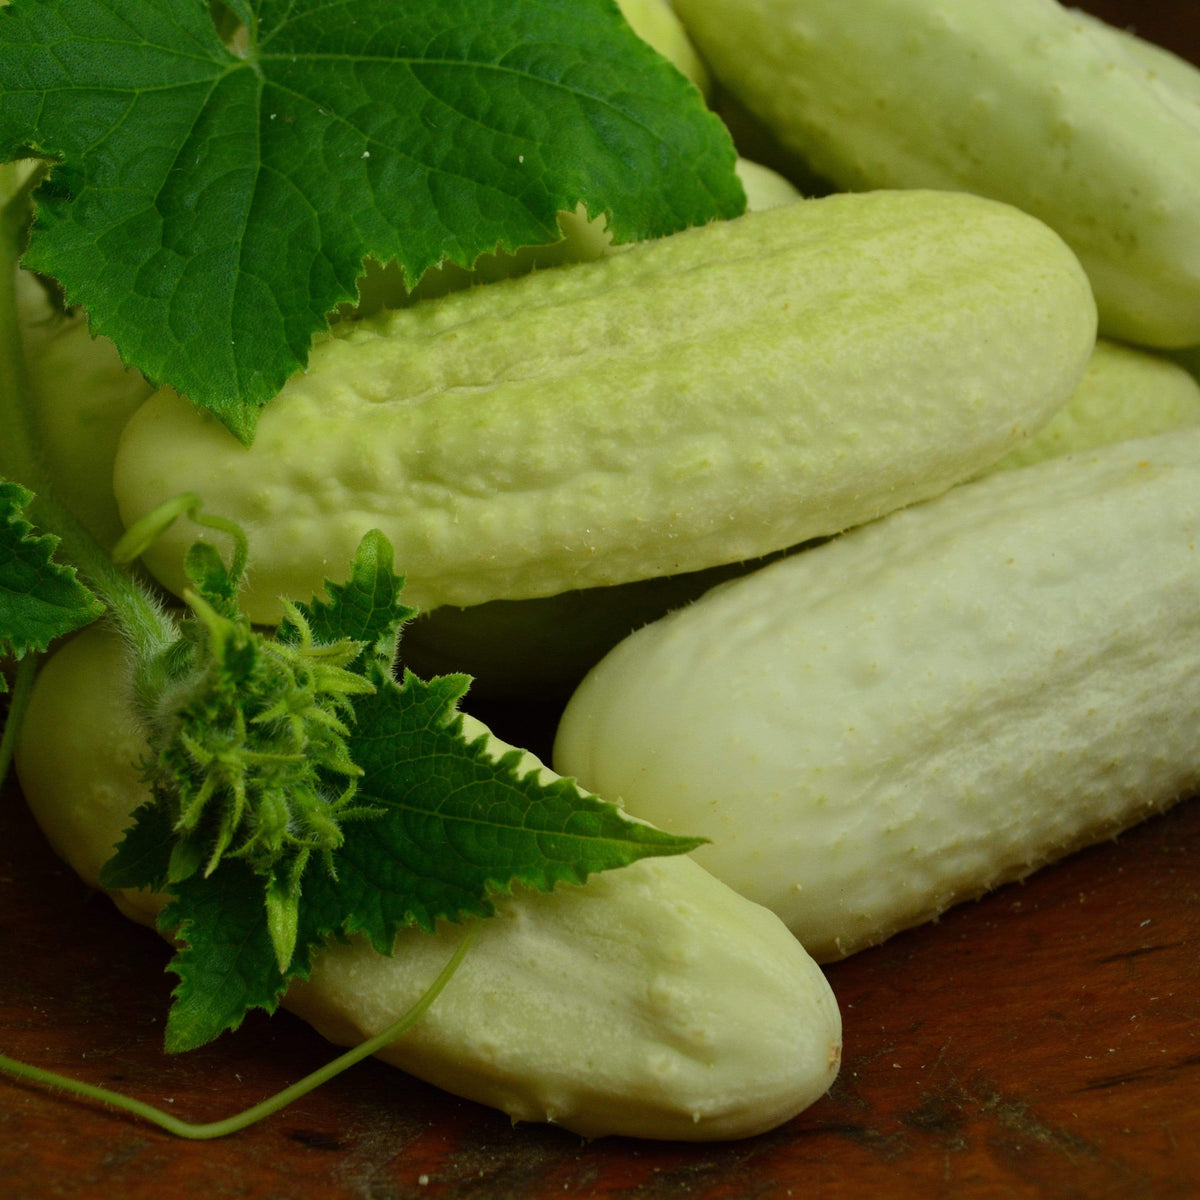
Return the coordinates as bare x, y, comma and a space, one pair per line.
901, 718
707, 398
1025, 101
651, 1002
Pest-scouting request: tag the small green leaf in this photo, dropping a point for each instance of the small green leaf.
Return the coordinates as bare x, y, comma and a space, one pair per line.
283, 910
40, 600
142, 858
210, 203
367, 608
456, 826
227, 964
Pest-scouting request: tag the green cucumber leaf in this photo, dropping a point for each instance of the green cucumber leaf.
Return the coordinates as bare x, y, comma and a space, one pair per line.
456, 827
40, 599
367, 608
226, 962
213, 199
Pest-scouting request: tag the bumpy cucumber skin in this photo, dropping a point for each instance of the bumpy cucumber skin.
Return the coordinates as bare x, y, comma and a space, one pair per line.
652, 1002
540, 649
823, 362
932, 705
1024, 101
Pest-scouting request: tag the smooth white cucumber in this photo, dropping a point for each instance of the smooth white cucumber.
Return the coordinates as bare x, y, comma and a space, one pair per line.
1023, 100
906, 716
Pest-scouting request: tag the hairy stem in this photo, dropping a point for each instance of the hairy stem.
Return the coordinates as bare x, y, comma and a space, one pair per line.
18, 703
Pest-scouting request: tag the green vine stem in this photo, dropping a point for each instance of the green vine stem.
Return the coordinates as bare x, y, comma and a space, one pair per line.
18, 699
268, 1107
145, 531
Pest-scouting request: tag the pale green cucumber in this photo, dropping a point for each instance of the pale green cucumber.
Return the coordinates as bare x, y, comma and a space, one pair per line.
703, 399
1025, 101
652, 1002
542, 648
931, 705
82, 396
764, 186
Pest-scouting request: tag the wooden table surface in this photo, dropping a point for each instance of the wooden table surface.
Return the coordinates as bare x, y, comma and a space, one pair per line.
1044, 1042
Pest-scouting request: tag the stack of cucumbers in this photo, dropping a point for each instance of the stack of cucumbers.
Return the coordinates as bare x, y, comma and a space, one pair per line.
863, 527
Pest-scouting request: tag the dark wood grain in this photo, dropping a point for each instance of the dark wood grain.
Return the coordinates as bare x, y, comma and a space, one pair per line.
1042, 1043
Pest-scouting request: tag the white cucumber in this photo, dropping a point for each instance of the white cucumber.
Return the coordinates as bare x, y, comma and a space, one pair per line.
1023, 100
765, 188
931, 705
651, 1002
540, 648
